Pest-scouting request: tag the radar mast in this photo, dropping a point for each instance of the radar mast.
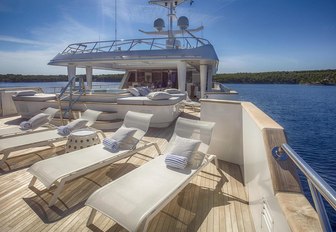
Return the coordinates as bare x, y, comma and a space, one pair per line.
182, 22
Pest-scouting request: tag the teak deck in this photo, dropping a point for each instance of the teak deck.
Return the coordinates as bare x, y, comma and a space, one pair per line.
214, 201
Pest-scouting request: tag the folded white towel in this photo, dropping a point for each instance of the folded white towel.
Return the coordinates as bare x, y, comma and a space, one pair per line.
176, 161
25, 125
111, 144
63, 130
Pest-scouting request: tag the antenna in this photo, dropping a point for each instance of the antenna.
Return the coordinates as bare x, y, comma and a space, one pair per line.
115, 20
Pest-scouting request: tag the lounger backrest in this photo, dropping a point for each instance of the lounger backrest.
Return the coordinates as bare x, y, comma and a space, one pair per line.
51, 111
91, 116
139, 121
194, 129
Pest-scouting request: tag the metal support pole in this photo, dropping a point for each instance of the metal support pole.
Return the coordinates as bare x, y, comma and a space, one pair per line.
320, 209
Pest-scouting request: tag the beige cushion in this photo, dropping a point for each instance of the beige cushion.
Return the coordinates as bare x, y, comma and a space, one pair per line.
77, 124
134, 92
184, 147
159, 96
38, 120
26, 93
173, 91
125, 137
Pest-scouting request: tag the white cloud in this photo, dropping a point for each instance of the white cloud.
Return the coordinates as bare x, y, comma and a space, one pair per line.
12, 39
52, 39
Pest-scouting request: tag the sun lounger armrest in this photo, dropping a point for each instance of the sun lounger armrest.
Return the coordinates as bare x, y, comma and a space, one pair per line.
101, 133
211, 157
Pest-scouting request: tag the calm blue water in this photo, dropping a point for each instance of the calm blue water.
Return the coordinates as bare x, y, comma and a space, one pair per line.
308, 114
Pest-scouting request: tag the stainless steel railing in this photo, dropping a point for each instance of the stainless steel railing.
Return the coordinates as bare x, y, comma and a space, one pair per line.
318, 187
135, 44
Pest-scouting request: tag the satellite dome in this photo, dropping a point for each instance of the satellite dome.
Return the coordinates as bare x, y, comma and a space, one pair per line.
159, 24
183, 22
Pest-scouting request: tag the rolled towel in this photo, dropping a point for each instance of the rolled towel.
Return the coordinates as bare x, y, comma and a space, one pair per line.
176, 161
63, 130
25, 125
111, 144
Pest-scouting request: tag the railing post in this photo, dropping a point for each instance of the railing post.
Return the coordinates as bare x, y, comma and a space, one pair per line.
320, 209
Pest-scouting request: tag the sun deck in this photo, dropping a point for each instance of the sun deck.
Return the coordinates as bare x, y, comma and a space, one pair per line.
214, 201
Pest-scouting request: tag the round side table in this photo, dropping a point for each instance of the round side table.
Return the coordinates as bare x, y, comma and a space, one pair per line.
81, 139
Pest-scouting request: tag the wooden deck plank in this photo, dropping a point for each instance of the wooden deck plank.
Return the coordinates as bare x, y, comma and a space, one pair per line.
215, 200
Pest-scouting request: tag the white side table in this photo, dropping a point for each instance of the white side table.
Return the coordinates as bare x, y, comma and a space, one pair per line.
81, 139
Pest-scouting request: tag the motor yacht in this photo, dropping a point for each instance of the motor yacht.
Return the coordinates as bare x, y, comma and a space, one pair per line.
255, 187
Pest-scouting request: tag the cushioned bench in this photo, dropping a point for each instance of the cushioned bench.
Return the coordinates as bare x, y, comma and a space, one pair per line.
37, 97
146, 101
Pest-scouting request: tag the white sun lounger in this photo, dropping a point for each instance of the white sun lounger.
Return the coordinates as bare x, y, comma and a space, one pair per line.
38, 139
63, 168
13, 131
135, 198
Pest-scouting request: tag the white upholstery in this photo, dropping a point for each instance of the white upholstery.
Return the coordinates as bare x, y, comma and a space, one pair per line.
41, 97
146, 101
159, 96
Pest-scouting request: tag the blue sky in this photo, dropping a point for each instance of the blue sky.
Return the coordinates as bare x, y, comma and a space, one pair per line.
248, 35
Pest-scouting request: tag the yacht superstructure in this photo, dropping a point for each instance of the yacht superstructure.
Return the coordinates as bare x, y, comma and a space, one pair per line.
176, 59
173, 58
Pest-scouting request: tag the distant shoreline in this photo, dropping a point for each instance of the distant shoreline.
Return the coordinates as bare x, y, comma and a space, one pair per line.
314, 77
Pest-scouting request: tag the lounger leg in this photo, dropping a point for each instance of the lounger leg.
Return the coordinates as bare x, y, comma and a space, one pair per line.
56, 193
157, 148
216, 162
91, 217
4, 158
32, 182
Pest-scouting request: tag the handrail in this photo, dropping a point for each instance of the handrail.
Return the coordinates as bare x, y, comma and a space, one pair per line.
316, 183
134, 44
71, 85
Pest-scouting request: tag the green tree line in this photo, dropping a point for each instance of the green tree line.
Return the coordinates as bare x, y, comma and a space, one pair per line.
322, 77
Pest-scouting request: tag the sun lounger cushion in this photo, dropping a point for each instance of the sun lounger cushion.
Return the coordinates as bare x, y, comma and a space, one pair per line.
40, 97
34, 122
159, 96
26, 93
124, 136
147, 101
144, 91
72, 126
39, 120
173, 91
176, 161
134, 92
77, 124
184, 147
